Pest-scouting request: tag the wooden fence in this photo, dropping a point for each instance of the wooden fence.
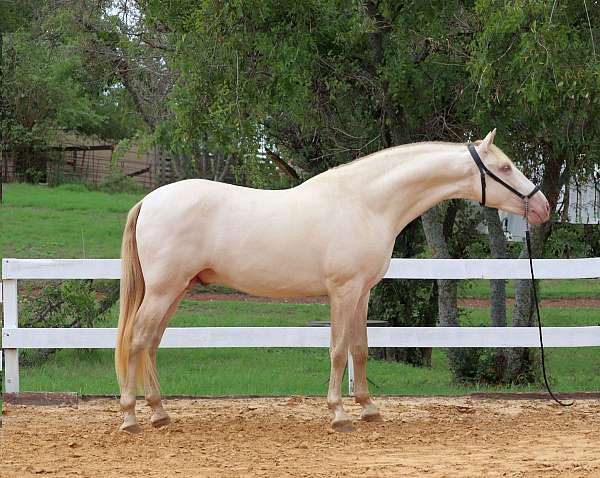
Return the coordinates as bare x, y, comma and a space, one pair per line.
89, 164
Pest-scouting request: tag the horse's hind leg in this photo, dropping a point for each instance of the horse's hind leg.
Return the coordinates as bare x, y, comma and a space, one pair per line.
159, 417
360, 353
153, 309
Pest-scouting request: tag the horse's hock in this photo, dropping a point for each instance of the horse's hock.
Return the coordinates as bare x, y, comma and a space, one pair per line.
289, 436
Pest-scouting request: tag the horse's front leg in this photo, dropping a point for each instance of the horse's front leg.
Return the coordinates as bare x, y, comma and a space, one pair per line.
343, 301
360, 353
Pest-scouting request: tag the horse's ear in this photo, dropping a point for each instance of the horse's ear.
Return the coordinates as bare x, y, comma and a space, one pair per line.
488, 140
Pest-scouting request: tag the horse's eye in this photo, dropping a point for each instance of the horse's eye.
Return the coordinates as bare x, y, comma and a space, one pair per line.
505, 168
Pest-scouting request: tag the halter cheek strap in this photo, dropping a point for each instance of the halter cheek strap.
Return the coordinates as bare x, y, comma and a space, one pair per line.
483, 171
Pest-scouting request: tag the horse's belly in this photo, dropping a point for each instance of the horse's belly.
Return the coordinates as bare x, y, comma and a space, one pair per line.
280, 281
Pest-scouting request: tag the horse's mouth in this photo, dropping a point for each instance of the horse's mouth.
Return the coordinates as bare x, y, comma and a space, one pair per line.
534, 217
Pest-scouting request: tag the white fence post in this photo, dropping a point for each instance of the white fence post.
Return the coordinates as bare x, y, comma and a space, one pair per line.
11, 356
350, 375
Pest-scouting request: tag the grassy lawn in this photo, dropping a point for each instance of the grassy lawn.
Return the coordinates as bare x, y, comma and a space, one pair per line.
71, 222
65, 222
550, 289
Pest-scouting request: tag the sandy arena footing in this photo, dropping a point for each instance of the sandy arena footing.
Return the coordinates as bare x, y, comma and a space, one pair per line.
290, 436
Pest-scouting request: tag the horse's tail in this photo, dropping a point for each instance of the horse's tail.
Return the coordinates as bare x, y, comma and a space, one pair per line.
132, 293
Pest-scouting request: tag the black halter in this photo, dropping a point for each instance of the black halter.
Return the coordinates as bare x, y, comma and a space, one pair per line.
483, 170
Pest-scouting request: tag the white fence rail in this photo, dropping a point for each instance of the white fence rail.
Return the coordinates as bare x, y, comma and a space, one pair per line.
14, 338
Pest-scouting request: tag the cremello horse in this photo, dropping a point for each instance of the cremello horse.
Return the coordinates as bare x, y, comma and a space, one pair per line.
331, 235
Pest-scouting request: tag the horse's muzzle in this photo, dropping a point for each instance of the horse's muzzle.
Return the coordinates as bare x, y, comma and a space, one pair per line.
539, 209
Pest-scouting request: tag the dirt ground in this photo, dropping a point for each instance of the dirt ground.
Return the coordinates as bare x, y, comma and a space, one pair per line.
290, 436
561, 302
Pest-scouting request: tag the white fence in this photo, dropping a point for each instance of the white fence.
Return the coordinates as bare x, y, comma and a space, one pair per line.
14, 338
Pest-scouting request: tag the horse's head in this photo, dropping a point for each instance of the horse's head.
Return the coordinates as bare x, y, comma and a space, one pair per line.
497, 169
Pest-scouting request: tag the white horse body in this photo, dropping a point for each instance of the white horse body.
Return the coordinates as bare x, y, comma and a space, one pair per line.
256, 241
333, 235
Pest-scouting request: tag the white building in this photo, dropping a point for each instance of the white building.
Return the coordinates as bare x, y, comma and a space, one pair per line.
584, 208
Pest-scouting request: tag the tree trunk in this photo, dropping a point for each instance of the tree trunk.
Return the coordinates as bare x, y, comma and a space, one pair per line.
433, 225
497, 287
521, 366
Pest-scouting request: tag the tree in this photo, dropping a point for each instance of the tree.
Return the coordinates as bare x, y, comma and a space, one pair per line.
320, 83
49, 89
535, 68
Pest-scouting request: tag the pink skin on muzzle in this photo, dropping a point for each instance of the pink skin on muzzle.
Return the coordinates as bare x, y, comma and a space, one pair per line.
539, 209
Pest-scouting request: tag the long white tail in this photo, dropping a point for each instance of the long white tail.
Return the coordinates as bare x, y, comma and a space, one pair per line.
132, 294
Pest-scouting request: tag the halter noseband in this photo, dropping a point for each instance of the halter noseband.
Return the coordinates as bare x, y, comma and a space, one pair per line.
483, 170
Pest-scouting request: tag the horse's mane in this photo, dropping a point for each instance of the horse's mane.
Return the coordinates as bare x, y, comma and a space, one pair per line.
394, 148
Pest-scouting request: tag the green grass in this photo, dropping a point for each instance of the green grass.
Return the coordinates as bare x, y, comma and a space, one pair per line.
62, 222
550, 289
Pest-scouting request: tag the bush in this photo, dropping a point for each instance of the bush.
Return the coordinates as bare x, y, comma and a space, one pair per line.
405, 303
66, 304
119, 182
571, 240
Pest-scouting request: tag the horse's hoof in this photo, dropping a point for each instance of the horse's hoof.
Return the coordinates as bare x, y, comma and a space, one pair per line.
132, 428
343, 426
371, 417
159, 422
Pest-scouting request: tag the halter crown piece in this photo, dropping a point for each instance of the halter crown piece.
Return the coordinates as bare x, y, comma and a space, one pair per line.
483, 170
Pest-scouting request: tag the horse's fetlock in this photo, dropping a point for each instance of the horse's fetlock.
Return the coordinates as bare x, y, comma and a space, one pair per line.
127, 401
334, 403
153, 399
362, 399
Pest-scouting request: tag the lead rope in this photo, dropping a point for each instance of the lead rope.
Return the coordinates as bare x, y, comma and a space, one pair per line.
537, 309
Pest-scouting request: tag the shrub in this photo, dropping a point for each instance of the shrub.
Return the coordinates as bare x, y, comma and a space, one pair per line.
119, 182
66, 304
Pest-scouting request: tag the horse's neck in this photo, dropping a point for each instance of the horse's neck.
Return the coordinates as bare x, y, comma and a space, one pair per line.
405, 182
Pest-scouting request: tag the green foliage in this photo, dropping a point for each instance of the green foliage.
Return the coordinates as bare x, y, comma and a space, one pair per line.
571, 240
536, 73
48, 87
63, 305
119, 182
322, 82
473, 365
406, 303
484, 366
